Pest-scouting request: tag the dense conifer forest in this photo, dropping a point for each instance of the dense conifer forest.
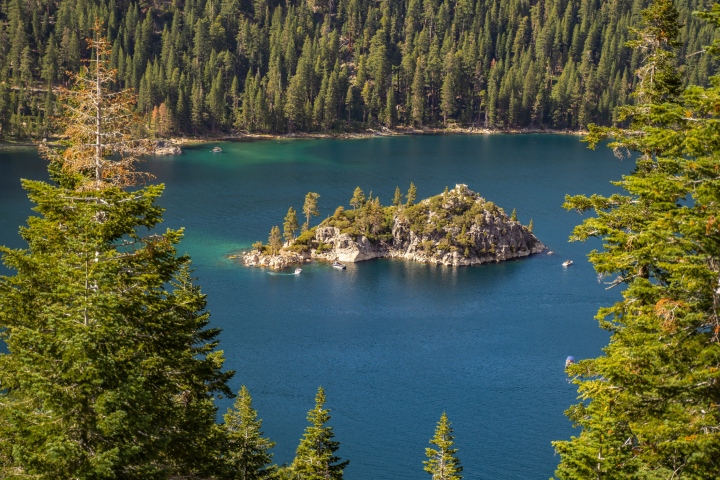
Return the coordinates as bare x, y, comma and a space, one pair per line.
278, 66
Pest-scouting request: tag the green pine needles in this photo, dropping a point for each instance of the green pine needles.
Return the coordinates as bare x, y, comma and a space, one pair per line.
315, 458
649, 405
247, 456
442, 463
111, 368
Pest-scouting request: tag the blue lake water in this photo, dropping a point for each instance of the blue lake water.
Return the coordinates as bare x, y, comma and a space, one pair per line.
393, 343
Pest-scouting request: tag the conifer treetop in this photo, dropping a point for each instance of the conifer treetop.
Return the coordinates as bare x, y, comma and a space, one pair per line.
442, 463
100, 142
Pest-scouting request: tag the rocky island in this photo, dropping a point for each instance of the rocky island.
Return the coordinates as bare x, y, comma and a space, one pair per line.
457, 227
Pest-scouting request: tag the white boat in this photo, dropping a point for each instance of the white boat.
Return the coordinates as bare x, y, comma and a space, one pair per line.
567, 263
217, 150
297, 271
338, 265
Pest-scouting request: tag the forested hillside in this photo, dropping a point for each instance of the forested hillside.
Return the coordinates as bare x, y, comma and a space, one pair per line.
202, 66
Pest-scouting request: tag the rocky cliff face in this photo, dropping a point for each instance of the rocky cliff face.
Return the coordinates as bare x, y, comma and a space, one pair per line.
166, 147
347, 248
278, 261
458, 227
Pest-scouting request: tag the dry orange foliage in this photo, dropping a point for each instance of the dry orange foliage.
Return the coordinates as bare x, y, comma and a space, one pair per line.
101, 136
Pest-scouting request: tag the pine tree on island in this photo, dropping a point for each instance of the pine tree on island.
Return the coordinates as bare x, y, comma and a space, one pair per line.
275, 240
411, 195
310, 208
649, 404
358, 198
247, 454
315, 458
397, 198
442, 463
290, 226
111, 369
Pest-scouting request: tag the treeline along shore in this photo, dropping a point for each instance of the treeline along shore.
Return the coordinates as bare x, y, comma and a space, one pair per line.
298, 66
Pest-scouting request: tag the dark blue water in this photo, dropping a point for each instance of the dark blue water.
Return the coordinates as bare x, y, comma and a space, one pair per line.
393, 343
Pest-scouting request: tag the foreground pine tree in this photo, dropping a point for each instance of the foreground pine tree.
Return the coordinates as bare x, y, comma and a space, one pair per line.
247, 456
315, 457
442, 463
111, 369
650, 404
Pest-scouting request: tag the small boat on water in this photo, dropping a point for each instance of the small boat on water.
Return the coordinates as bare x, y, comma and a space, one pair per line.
217, 150
338, 265
297, 271
567, 263
550, 252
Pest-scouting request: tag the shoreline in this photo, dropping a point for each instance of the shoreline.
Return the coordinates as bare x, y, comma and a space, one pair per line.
368, 133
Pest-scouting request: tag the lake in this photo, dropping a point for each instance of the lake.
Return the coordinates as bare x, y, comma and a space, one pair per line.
393, 343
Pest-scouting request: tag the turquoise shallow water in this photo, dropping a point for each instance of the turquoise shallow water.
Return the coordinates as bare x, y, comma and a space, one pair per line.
393, 343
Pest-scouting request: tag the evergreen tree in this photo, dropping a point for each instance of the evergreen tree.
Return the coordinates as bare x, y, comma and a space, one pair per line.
310, 207
397, 198
649, 403
418, 96
390, 117
442, 463
216, 100
358, 198
411, 195
332, 99
110, 370
290, 226
450, 87
274, 240
315, 458
248, 456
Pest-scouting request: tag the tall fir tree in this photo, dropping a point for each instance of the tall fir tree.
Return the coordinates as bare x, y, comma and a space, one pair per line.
397, 198
442, 464
411, 195
649, 404
358, 198
274, 240
290, 226
111, 369
310, 207
315, 458
247, 453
